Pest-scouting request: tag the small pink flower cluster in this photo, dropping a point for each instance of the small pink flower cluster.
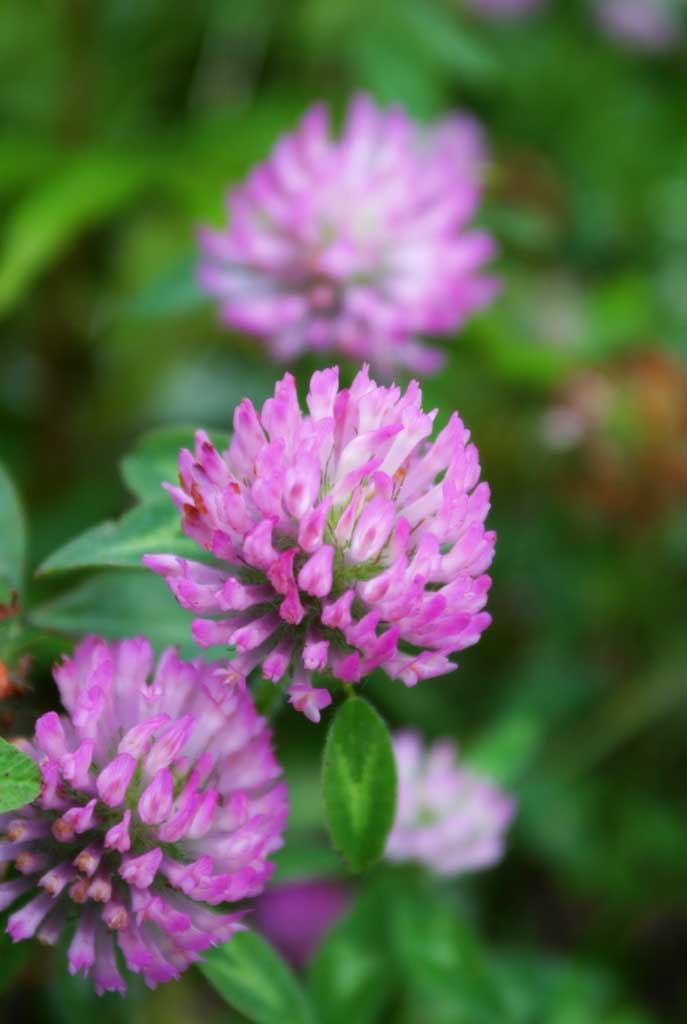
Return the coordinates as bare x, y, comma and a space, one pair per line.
446, 817
649, 25
344, 541
160, 800
357, 244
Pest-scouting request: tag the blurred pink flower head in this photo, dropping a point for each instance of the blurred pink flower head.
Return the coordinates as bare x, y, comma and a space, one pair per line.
343, 541
651, 25
446, 818
358, 244
160, 800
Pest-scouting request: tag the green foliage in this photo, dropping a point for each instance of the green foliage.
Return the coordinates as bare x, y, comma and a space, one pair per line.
20, 778
506, 749
12, 534
84, 192
445, 968
13, 956
359, 783
119, 604
151, 528
352, 977
250, 976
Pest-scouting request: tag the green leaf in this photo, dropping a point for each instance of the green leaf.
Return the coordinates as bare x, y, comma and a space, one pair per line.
352, 974
155, 459
251, 977
505, 750
446, 41
174, 292
85, 191
151, 528
359, 783
117, 604
444, 967
20, 778
12, 533
13, 956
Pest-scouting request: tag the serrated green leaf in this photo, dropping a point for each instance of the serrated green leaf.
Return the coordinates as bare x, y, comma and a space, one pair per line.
174, 292
150, 528
118, 604
20, 778
252, 977
155, 459
359, 783
12, 533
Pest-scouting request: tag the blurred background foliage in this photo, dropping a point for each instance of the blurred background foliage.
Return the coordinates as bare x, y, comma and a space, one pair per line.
122, 125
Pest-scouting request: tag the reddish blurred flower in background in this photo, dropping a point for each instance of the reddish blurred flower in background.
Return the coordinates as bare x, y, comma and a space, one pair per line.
626, 424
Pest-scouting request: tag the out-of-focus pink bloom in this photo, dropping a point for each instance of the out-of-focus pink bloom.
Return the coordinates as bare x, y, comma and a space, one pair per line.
343, 541
447, 818
358, 244
651, 25
295, 916
160, 800
503, 8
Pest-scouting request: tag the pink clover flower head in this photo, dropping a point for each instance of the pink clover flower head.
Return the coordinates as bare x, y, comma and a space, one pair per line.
357, 244
343, 541
447, 818
161, 800
650, 25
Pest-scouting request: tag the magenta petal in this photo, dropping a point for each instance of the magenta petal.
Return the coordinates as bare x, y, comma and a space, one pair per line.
113, 781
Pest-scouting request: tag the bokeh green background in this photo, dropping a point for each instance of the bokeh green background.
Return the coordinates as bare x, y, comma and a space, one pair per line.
123, 123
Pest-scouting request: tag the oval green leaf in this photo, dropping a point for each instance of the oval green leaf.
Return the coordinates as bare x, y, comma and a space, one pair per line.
359, 783
20, 778
252, 977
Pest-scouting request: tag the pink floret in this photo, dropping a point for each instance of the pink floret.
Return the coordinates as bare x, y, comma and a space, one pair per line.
161, 798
